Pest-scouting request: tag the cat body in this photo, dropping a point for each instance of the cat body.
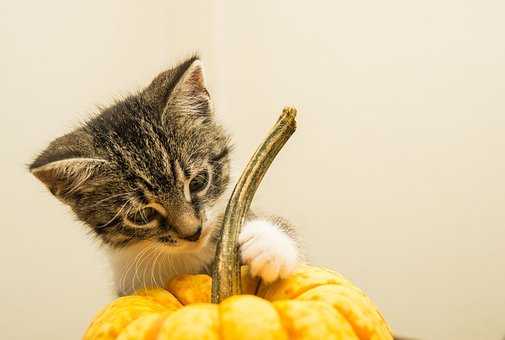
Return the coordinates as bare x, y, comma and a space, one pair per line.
149, 176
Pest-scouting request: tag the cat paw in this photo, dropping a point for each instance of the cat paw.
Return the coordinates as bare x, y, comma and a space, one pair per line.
268, 251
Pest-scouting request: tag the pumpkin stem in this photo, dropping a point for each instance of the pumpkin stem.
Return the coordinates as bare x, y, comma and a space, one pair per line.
226, 272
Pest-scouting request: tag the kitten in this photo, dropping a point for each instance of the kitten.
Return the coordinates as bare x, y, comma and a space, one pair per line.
148, 175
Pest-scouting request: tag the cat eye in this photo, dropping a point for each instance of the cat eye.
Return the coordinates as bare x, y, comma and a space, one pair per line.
199, 182
143, 216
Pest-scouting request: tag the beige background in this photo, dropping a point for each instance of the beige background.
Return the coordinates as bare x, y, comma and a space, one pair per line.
395, 176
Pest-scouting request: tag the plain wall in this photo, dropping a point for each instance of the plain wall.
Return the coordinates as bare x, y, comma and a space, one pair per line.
394, 177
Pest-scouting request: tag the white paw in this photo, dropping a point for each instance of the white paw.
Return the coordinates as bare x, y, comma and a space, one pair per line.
268, 251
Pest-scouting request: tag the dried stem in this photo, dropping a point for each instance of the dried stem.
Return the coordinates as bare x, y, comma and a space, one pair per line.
226, 272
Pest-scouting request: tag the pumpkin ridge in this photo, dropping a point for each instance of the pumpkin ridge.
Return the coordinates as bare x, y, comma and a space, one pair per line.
147, 325
152, 294
153, 332
189, 289
285, 322
191, 322
116, 316
305, 278
250, 317
355, 306
299, 318
355, 328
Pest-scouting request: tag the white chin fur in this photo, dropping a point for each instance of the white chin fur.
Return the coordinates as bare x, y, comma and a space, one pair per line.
147, 264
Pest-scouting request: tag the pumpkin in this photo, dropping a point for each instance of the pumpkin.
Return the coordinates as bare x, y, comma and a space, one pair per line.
312, 303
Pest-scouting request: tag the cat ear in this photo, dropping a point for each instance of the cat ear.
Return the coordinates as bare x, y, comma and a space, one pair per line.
190, 95
180, 90
67, 176
192, 81
67, 167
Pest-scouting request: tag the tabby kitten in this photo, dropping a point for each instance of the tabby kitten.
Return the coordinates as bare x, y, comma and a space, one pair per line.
148, 175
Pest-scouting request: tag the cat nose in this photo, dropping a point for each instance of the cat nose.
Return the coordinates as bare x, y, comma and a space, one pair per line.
195, 236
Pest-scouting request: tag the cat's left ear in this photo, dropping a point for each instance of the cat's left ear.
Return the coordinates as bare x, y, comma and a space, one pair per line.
189, 95
181, 90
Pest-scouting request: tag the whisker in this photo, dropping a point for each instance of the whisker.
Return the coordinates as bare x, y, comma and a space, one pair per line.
139, 265
130, 265
153, 278
144, 273
161, 266
138, 262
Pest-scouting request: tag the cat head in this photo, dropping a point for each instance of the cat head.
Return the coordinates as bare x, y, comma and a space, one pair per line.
147, 168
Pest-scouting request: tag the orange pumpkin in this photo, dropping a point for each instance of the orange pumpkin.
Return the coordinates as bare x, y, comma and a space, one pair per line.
313, 303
